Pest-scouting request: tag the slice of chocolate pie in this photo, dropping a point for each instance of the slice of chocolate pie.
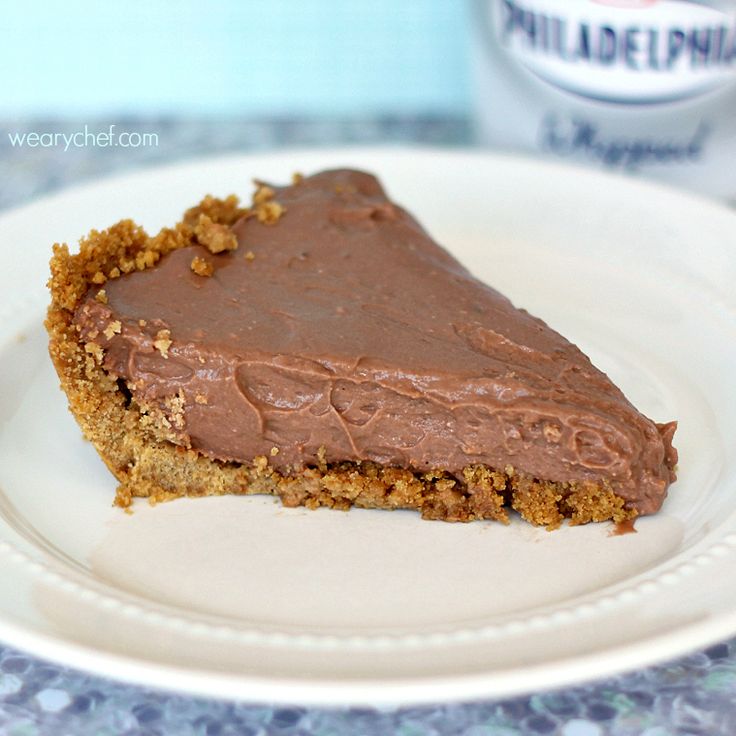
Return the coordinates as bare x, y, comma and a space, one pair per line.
320, 346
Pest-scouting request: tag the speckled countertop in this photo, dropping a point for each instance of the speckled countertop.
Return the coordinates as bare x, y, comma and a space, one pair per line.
693, 696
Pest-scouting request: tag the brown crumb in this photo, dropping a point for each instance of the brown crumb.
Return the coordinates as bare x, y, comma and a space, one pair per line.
274, 451
263, 194
142, 322
227, 211
270, 212
146, 258
250, 256
175, 409
101, 297
99, 278
201, 266
114, 328
114, 272
200, 399
214, 236
94, 350
162, 343
322, 457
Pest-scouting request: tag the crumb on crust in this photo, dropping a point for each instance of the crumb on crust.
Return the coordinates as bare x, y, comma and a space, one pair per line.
174, 406
114, 328
201, 266
265, 208
263, 193
162, 343
95, 350
214, 236
226, 211
269, 213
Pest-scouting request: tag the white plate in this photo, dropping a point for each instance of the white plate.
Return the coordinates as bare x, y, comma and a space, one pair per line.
240, 598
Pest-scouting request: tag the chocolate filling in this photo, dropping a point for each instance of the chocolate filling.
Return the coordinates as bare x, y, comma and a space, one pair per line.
344, 326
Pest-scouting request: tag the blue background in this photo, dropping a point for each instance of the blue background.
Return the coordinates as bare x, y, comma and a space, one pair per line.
275, 57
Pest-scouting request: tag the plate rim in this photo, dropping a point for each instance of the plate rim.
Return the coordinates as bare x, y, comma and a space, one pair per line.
336, 693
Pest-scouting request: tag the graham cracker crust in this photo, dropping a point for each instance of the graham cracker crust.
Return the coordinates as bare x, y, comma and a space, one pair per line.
139, 446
